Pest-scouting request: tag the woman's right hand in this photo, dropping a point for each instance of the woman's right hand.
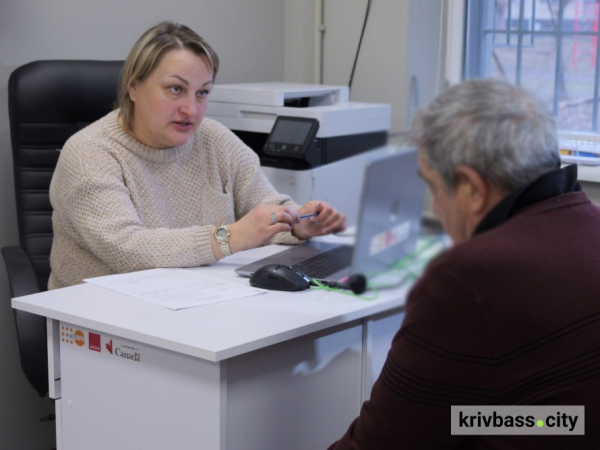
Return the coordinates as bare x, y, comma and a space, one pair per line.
257, 227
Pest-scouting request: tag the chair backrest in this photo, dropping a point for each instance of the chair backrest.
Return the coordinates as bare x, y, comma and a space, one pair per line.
48, 102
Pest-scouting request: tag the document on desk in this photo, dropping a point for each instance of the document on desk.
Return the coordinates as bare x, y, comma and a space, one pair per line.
174, 288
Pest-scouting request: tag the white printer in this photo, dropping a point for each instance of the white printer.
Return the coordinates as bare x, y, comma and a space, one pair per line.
311, 140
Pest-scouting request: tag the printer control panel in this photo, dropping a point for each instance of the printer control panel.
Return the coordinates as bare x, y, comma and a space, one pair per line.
293, 137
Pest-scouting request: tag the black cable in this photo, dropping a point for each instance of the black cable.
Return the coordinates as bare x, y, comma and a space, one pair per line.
362, 33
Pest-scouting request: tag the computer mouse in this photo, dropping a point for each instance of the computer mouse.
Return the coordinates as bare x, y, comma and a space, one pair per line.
279, 278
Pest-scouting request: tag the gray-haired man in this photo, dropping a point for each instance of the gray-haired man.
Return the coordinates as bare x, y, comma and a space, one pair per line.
510, 314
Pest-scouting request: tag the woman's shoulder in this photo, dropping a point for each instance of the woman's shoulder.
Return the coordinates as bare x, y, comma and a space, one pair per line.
93, 134
91, 146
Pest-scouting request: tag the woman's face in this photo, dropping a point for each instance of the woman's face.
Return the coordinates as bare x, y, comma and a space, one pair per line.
170, 104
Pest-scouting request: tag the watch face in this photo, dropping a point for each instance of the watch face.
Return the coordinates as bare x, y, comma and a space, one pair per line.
221, 232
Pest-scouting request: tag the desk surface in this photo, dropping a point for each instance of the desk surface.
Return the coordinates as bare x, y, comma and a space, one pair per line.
216, 331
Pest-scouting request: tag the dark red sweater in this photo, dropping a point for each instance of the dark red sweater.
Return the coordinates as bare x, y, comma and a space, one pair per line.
511, 316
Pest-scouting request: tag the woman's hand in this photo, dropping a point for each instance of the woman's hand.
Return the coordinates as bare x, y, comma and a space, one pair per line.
260, 225
327, 221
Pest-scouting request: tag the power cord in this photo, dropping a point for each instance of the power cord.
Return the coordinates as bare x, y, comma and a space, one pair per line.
362, 33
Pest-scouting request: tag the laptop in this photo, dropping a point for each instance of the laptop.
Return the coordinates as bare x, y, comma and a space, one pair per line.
387, 228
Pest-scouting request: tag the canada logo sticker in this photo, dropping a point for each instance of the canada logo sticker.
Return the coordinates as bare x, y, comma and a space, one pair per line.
128, 352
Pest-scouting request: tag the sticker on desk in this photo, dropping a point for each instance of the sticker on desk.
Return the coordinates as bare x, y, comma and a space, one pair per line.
70, 336
389, 238
95, 342
123, 351
128, 352
102, 344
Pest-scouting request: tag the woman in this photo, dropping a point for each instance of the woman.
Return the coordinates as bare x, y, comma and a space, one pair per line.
155, 184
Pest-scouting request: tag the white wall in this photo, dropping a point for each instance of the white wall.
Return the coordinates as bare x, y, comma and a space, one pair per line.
249, 38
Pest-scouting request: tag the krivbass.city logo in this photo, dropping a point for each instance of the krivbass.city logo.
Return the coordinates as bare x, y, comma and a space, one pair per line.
518, 419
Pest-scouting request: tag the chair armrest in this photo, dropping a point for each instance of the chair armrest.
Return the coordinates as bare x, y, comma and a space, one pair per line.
21, 275
31, 328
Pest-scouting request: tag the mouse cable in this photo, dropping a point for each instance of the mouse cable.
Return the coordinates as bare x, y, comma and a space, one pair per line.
321, 286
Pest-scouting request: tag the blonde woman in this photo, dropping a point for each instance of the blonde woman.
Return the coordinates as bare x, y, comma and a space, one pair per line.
156, 184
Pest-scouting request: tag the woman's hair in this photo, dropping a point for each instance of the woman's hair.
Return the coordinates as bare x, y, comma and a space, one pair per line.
499, 129
146, 54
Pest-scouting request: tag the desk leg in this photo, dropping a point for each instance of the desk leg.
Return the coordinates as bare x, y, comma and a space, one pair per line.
53, 342
59, 427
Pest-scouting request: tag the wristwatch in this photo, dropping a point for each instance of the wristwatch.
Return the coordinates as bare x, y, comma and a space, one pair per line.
222, 234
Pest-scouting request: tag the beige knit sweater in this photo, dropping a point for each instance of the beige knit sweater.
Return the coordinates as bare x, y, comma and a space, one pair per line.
120, 206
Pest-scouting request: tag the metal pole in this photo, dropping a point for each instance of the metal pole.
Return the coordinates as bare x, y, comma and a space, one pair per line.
597, 76
558, 69
520, 42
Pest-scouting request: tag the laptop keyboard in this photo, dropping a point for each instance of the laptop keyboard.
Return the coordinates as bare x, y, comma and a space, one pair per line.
326, 263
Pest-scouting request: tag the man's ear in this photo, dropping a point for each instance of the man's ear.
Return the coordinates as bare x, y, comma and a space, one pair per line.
475, 191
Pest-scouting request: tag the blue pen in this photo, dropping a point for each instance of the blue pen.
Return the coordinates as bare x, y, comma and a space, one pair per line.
308, 216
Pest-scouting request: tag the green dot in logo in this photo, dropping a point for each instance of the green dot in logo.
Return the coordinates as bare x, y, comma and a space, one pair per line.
540, 423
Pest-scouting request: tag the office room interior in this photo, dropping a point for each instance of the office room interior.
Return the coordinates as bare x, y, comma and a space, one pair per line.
411, 50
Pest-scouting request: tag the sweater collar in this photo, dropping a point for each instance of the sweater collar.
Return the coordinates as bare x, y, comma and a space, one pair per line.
159, 156
551, 184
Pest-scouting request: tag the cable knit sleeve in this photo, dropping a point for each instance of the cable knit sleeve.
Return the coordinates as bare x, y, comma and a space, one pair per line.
93, 206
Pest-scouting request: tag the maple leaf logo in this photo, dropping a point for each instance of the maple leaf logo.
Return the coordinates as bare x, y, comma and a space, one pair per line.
109, 346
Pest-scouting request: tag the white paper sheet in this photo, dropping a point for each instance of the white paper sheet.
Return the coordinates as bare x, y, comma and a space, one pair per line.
174, 288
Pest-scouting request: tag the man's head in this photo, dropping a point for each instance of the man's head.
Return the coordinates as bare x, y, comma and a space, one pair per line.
478, 141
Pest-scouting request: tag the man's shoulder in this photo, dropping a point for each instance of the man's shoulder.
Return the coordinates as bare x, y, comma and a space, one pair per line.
531, 251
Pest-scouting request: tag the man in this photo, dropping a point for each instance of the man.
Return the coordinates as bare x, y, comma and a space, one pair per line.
510, 314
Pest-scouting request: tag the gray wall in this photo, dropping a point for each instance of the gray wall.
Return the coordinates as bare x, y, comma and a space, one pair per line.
249, 37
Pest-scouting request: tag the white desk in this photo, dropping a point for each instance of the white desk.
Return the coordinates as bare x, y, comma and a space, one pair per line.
275, 371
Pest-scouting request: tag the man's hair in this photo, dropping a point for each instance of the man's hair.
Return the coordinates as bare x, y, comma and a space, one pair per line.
146, 54
500, 130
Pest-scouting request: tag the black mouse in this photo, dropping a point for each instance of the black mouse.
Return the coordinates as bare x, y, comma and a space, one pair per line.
280, 278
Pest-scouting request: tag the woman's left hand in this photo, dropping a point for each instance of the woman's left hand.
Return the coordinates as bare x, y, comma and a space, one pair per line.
327, 221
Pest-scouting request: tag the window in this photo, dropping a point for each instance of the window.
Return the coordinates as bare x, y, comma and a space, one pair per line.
547, 46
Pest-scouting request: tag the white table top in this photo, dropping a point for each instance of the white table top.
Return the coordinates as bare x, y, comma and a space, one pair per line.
216, 331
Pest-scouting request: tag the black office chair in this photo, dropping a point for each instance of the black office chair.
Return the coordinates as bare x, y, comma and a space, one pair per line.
48, 101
